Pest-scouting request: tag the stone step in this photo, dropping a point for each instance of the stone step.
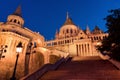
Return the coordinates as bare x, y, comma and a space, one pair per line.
84, 75
83, 58
85, 65
78, 77
113, 72
88, 68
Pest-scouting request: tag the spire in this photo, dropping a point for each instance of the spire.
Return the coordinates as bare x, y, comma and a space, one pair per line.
87, 30
18, 11
57, 31
57, 34
68, 20
78, 27
67, 15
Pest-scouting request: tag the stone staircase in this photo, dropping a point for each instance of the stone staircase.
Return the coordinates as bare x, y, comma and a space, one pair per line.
91, 68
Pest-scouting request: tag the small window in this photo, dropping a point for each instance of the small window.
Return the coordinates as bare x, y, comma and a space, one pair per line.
6, 46
67, 31
15, 20
3, 30
94, 38
81, 37
18, 22
71, 31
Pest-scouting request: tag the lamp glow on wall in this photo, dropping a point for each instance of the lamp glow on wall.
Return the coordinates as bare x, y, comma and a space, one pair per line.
19, 48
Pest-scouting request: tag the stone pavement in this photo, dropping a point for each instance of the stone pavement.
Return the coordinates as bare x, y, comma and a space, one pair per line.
84, 68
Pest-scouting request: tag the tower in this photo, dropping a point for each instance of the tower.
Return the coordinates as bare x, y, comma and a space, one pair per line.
11, 34
16, 18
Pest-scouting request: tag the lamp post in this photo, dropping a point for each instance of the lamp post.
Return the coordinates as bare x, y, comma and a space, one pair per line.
18, 50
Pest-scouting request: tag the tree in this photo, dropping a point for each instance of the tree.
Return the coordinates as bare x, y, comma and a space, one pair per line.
111, 44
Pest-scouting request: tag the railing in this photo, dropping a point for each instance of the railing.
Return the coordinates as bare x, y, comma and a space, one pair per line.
39, 73
114, 62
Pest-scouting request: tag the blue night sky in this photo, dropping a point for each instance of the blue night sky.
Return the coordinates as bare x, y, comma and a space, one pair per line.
46, 16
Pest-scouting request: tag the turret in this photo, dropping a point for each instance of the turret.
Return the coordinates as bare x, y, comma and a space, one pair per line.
97, 30
56, 34
16, 18
87, 31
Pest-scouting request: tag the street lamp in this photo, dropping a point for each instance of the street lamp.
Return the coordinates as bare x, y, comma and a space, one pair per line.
18, 50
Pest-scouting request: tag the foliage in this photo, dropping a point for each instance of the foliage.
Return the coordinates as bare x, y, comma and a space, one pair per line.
111, 45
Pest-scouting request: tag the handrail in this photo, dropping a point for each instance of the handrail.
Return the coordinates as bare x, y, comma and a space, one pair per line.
114, 62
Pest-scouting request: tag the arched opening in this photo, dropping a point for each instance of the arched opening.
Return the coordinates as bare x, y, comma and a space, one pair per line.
18, 22
67, 31
94, 38
15, 20
37, 60
71, 31
53, 58
81, 37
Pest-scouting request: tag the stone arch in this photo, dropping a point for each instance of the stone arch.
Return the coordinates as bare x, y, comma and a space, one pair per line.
40, 58
45, 52
36, 61
53, 58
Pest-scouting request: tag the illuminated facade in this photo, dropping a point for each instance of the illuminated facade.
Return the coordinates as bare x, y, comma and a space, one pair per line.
73, 40
11, 33
70, 39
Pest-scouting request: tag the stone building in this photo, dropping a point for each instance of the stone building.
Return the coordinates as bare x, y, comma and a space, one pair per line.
70, 39
11, 33
75, 41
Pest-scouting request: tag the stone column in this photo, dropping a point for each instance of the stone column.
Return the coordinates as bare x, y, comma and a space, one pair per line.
91, 50
82, 50
85, 49
79, 49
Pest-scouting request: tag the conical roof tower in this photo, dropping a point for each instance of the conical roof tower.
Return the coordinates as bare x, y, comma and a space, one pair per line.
68, 29
16, 18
